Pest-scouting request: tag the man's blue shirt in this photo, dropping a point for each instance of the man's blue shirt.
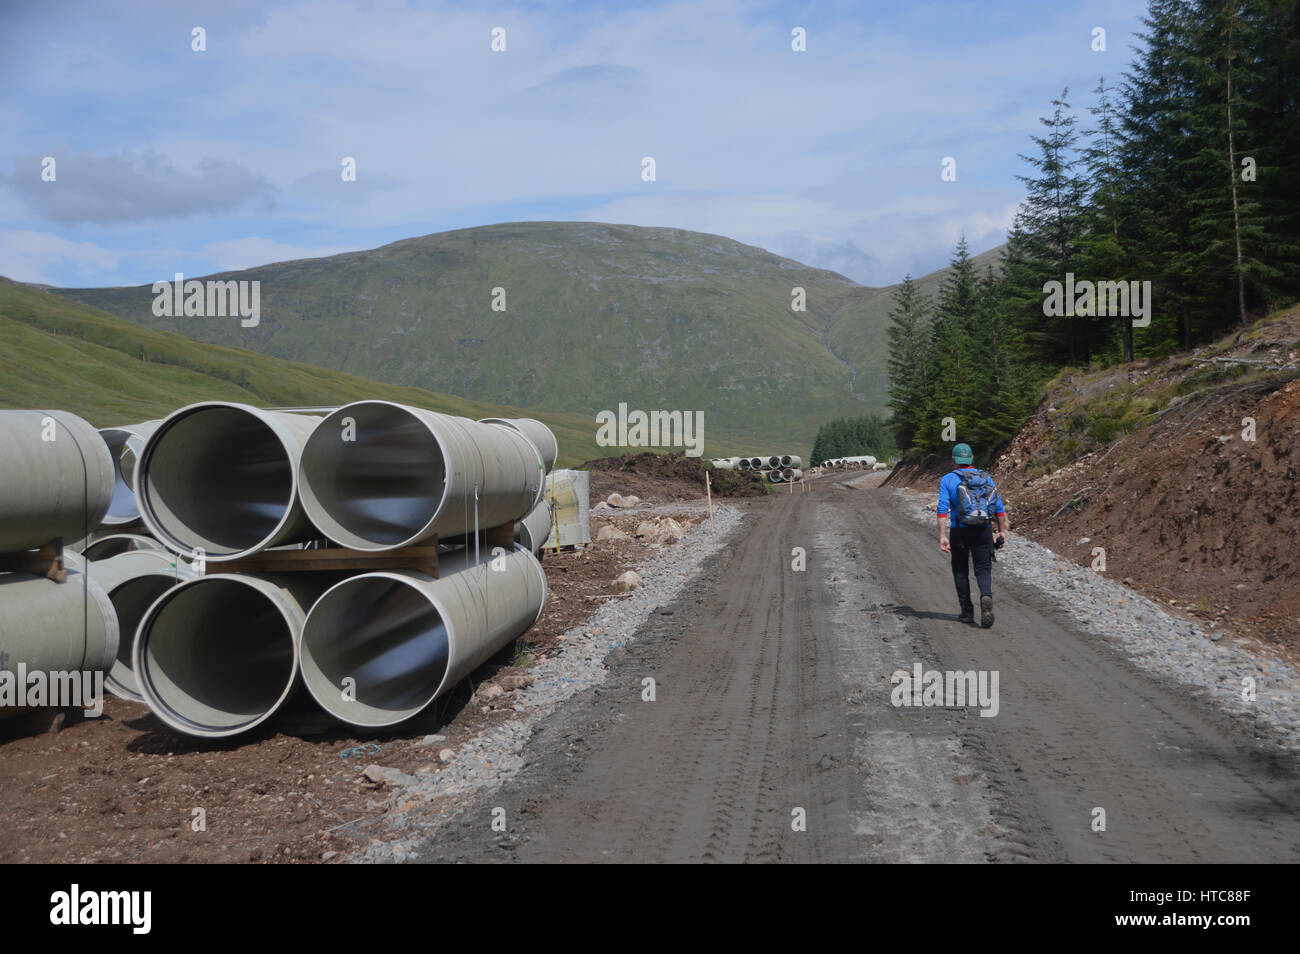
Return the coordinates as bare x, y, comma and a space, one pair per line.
948, 495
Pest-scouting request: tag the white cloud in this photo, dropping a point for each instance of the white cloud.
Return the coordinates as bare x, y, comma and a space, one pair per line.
28, 256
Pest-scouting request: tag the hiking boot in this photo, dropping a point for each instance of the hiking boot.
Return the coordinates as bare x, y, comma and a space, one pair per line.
967, 615
986, 611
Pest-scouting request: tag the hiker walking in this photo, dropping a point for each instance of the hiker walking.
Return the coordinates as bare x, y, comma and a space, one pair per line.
969, 505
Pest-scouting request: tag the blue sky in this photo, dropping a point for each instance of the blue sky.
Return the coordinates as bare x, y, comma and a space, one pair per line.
173, 160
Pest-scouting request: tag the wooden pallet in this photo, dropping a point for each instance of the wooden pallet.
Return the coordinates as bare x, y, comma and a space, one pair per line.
47, 561
421, 557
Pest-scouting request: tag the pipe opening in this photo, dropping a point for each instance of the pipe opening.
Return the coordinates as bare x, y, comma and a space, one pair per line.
218, 478
379, 489
385, 634
215, 657
132, 600
106, 548
122, 507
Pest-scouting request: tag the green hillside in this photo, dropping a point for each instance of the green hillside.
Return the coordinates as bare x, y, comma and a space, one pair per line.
595, 315
60, 354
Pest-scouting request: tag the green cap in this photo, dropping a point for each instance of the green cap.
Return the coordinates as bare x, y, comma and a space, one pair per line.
962, 454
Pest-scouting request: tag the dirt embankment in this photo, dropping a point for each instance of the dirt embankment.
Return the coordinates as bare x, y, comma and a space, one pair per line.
1183, 470
664, 478
124, 788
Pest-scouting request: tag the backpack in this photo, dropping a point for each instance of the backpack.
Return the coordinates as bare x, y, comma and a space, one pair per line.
976, 498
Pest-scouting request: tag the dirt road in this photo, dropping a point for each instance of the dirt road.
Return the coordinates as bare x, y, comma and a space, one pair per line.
772, 736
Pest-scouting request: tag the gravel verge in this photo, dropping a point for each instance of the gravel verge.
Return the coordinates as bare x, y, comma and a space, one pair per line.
421, 803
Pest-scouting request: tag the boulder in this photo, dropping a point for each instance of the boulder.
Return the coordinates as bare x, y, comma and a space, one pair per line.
628, 581
669, 531
611, 532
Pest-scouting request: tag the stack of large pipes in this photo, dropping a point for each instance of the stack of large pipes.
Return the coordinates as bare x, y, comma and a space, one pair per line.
776, 468
860, 462
215, 654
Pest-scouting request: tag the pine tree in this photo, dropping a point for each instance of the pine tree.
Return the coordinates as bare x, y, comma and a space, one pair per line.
909, 360
952, 359
1102, 249
1047, 234
1155, 96
1230, 227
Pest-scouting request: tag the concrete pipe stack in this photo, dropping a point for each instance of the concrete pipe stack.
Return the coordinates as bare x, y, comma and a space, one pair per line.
219, 654
215, 653
775, 468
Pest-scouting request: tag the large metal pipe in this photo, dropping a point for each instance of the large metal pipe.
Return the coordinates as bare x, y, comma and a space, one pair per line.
218, 655
56, 627
125, 444
532, 531
224, 477
133, 580
116, 544
756, 463
745, 464
405, 474
543, 437
774, 461
774, 476
791, 460
404, 638
56, 478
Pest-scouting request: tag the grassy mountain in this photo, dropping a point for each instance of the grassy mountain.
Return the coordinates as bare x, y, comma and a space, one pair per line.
56, 353
595, 315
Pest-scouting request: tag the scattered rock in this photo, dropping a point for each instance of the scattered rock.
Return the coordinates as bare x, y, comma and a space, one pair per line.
623, 503
646, 529
610, 532
433, 739
381, 775
514, 681
669, 531
446, 755
628, 581
489, 690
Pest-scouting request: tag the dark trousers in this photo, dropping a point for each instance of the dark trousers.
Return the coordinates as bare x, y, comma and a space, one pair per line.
971, 543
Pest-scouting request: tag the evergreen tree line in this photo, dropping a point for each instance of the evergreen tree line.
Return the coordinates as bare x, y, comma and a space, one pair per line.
853, 436
1186, 178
